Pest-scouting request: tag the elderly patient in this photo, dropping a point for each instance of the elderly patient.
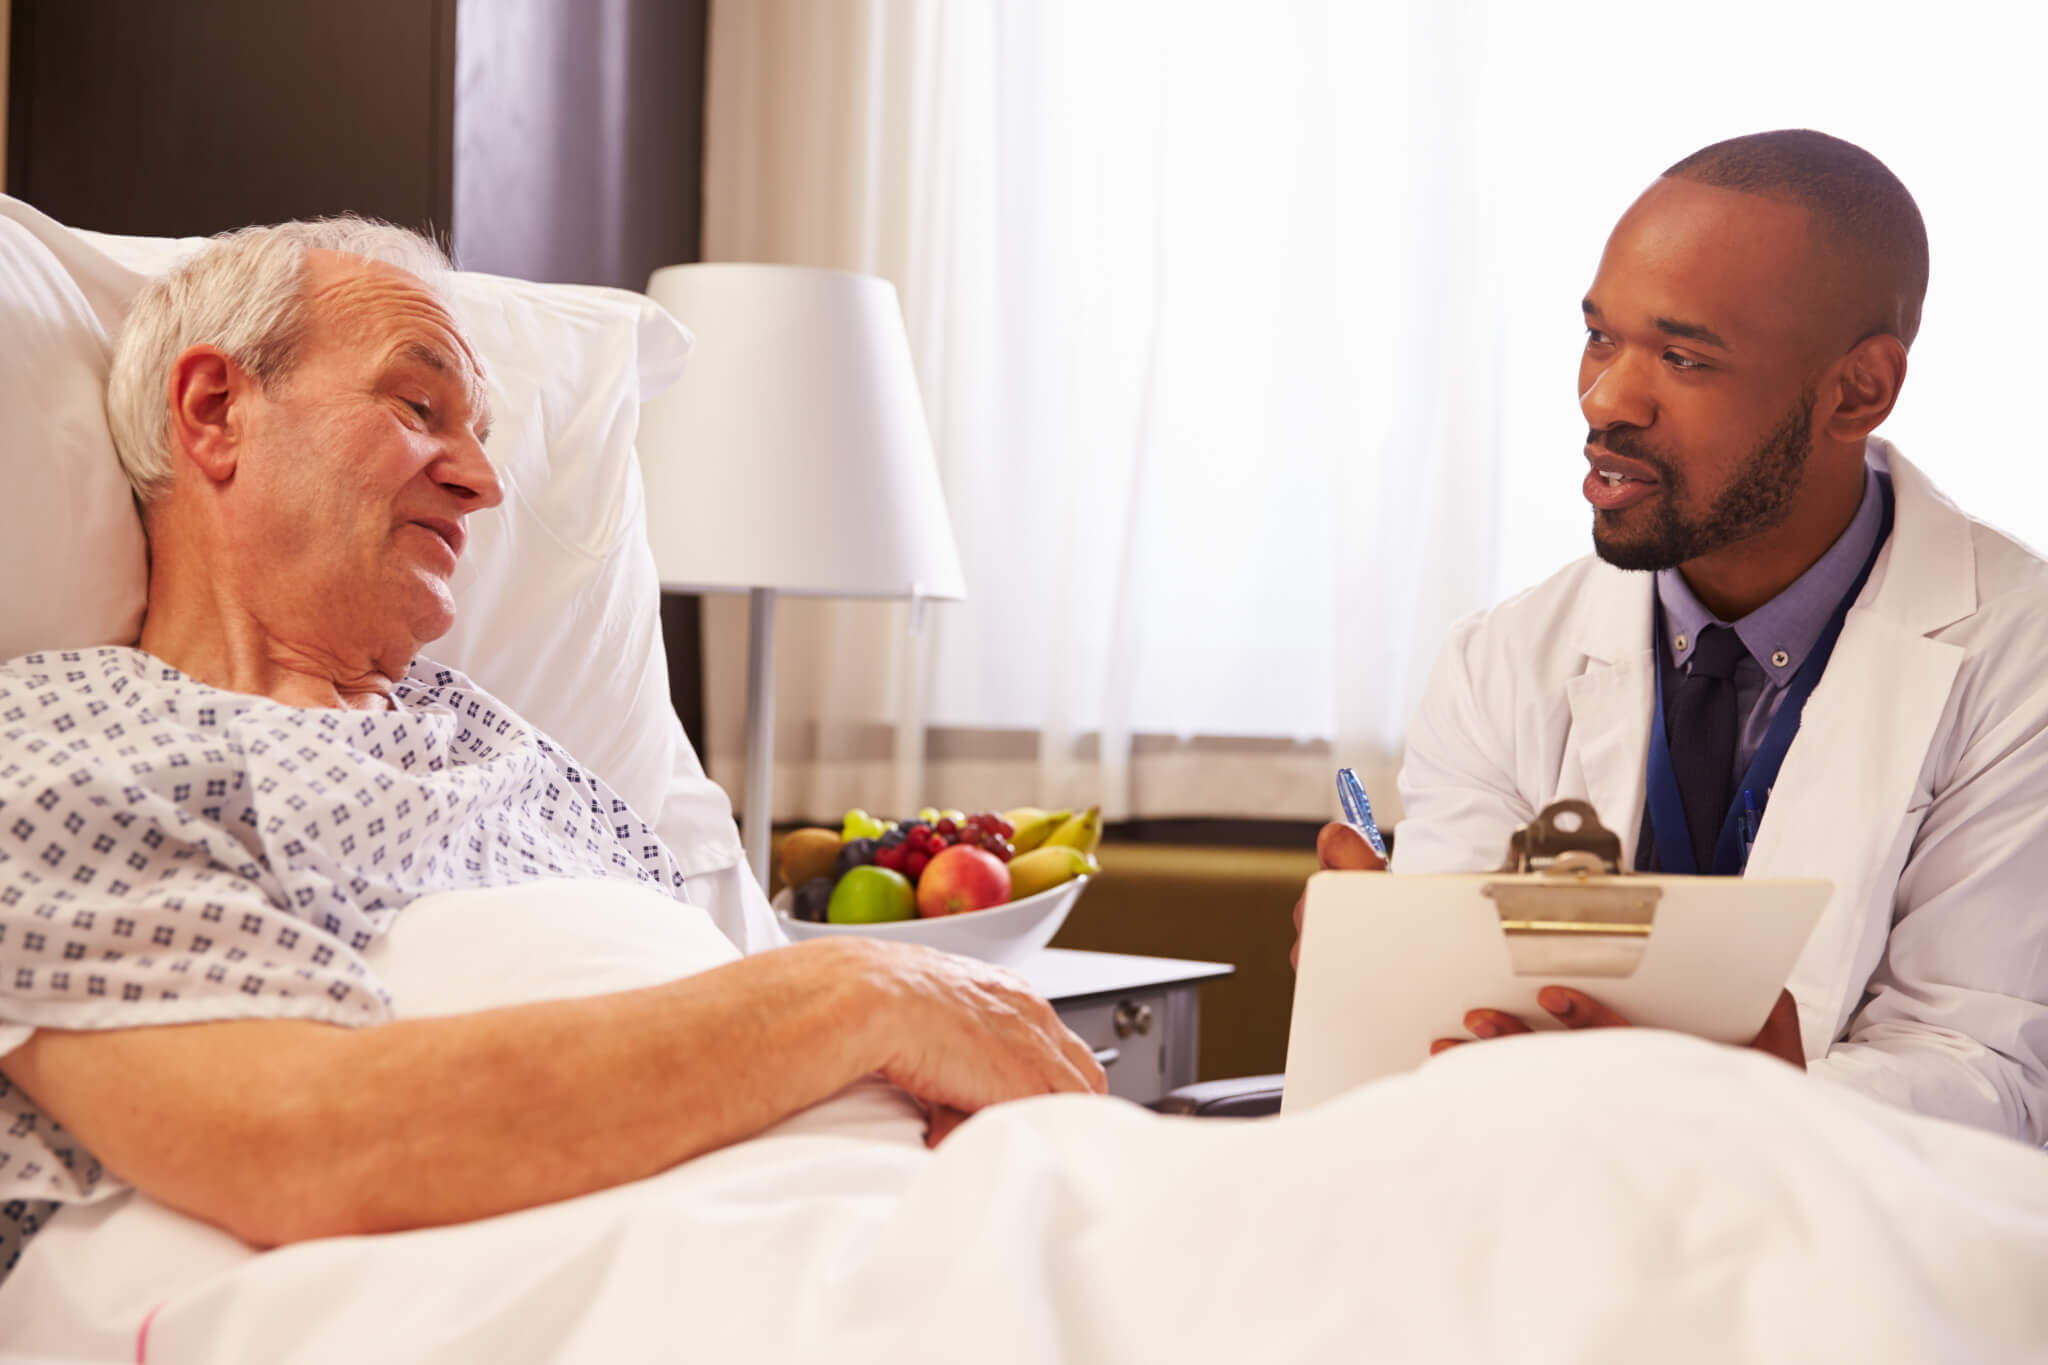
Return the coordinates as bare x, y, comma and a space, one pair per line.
201, 836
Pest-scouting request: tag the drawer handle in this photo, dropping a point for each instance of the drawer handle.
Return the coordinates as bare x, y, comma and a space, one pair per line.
1132, 1017
1105, 1057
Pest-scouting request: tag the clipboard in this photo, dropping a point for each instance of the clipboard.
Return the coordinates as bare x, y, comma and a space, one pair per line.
1391, 963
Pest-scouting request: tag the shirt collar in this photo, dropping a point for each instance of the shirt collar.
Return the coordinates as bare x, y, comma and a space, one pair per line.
1782, 632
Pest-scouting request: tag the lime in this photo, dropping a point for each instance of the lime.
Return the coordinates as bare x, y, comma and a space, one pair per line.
871, 895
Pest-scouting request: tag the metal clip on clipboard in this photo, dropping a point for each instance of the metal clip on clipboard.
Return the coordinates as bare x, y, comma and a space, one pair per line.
1571, 910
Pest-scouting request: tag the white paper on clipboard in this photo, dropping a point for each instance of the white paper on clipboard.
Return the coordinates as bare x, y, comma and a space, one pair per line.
1391, 963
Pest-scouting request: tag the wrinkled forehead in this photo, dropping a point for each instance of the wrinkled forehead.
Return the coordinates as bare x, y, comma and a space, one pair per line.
386, 310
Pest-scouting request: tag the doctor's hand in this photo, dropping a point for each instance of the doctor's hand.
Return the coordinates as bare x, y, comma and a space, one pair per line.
1338, 847
1575, 1009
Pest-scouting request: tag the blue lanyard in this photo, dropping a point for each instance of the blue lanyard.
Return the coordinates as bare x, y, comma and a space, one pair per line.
1667, 810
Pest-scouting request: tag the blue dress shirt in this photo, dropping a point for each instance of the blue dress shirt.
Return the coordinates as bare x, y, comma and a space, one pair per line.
1779, 634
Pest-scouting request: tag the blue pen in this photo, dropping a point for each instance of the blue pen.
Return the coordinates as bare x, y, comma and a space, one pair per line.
1358, 810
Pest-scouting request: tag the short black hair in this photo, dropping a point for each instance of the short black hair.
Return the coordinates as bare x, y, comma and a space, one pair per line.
1857, 207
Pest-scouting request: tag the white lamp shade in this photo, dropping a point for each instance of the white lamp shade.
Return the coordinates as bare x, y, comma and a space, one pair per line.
793, 453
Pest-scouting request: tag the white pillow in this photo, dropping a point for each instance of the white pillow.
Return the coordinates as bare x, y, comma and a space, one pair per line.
557, 599
71, 550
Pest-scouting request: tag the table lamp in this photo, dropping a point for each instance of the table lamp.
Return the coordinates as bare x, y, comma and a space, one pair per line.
792, 457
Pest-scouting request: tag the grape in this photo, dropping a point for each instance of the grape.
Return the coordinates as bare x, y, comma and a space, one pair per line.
914, 865
946, 825
854, 853
1005, 828
811, 898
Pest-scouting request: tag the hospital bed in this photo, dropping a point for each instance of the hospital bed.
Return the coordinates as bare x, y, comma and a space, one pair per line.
1627, 1196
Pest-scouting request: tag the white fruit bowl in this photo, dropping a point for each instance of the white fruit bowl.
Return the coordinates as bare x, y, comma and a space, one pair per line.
1003, 933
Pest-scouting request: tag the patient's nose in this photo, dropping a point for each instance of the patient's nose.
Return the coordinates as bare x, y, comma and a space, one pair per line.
467, 471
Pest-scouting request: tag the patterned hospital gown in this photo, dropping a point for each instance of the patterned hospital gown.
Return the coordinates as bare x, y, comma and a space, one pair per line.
171, 853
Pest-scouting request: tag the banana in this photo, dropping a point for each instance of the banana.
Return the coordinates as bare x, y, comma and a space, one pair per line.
1033, 826
1044, 868
1083, 831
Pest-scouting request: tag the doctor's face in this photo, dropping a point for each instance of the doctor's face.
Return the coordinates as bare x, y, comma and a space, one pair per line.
363, 465
1697, 376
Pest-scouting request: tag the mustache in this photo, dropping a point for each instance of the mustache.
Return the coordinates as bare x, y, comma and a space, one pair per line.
1629, 445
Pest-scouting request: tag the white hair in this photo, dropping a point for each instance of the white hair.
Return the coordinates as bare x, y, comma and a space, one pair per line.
243, 292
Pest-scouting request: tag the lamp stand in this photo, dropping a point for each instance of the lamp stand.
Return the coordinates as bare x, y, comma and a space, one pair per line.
755, 819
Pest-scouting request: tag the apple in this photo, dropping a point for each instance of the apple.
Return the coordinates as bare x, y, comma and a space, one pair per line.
871, 895
962, 878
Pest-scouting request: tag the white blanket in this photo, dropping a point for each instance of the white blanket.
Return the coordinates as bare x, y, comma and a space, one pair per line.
1626, 1196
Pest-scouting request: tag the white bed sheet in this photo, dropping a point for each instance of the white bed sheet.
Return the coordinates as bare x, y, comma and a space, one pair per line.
1627, 1196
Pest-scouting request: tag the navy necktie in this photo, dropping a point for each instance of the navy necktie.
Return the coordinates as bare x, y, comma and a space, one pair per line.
1700, 727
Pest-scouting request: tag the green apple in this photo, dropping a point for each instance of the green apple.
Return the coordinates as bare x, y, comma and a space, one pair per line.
871, 895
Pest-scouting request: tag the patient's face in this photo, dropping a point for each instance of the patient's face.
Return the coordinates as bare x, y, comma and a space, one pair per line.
361, 466
1697, 375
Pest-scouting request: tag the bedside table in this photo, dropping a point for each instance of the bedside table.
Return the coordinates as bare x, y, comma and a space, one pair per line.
1144, 1010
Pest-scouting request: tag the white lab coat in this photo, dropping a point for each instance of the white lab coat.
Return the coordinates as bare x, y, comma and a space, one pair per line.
1918, 784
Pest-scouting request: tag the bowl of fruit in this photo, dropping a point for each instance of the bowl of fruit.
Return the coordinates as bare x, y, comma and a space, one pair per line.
992, 885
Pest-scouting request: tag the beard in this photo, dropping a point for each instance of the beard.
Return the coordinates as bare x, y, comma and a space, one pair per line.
1757, 498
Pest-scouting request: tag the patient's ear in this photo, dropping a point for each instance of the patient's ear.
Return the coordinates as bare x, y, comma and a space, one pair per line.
209, 399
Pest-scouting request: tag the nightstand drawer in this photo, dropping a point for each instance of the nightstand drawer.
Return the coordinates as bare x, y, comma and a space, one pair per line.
1143, 1007
1134, 1027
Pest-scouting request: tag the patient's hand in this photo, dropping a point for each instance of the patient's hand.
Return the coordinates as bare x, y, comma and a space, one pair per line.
1576, 1009
961, 1034
1341, 847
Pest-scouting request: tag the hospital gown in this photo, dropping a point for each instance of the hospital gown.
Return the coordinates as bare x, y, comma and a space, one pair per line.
172, 853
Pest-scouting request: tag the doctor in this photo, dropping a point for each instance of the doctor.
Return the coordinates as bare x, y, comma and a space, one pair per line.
1790, 655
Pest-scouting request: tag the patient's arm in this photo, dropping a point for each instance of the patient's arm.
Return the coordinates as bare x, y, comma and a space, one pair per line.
281, 1130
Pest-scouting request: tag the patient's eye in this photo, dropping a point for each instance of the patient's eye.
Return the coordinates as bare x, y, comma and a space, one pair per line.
424, 411
1679, 361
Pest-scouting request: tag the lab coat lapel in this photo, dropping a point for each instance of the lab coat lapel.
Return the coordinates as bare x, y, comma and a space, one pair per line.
1842, 799
1611, 700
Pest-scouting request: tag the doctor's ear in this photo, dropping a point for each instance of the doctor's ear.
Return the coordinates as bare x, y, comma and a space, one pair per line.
210, 396
1865, 385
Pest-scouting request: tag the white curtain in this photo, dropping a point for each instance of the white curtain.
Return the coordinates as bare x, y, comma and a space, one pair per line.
1247, 334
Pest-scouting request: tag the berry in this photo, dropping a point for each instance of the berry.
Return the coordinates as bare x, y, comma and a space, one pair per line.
914, 865
891, 856
947, 825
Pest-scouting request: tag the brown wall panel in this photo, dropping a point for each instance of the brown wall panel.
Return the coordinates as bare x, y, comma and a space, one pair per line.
192, 116
578, 132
